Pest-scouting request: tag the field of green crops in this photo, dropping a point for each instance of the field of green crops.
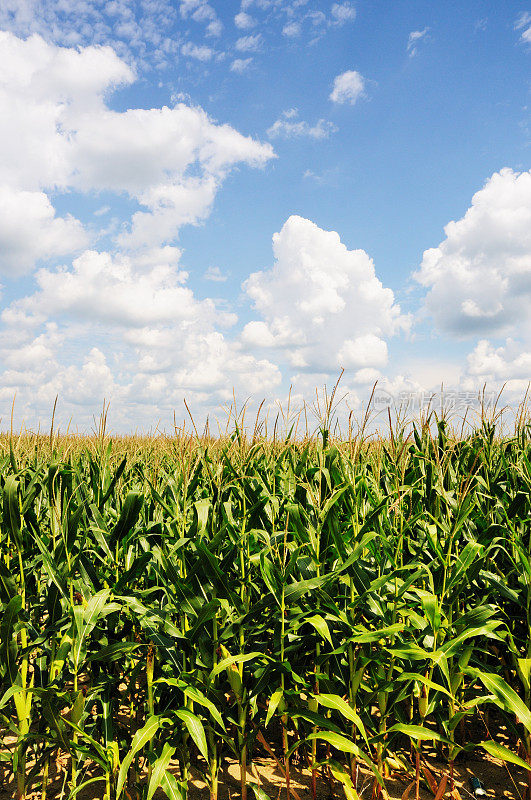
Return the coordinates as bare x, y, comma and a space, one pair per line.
171, 603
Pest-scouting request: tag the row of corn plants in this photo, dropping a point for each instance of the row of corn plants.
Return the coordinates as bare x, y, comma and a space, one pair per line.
345, 606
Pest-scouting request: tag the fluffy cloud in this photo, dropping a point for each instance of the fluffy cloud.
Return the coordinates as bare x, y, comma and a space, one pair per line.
488, 363
202, 12
127, 329
479, 277
57, 132
123, 323
292, 29
244, 21
343, 12
30, 231
290, 126
116, 291
321, 304
45, 91
499, 369
348, 87
199, 52
136, 30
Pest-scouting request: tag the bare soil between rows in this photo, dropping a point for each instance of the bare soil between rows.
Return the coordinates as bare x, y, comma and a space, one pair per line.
500, 780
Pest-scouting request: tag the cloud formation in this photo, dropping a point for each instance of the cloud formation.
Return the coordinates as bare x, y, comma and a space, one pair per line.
348, 87
413, 40
30, 231
479, 277
321, 305
290, 126
118, 322
58, 133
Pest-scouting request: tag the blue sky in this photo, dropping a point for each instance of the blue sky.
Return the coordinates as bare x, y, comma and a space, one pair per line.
152, 150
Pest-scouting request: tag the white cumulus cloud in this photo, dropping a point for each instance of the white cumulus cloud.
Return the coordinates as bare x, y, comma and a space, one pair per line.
244, 21
58, 133
30, 231
321, 304
348, 87
479, 277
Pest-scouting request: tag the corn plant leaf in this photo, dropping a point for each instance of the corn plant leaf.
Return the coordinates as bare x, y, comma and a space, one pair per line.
296, 590
258, 791
83, 785
524, 671
418, 732
453, 646
128, 517
499, 751
8, 645
274, 700
230, 661
86, 619
195, 729
140, 739
11, 511
338, 741
504, 696
159, 769
364, 636
8, 587
337, 703
171, 787
346, 746
198, 697
342, 776
8, 694
415, 676
320, 625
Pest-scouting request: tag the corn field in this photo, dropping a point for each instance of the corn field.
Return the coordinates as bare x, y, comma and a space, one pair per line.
344, 605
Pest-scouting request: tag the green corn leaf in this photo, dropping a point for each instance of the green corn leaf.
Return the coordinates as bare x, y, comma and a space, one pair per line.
418, 733
258, 791
8, 645
274, 700
230, 661
86, 620
11, 511
499, 751
128, 518
346, 746
140, 739
505, 697
342, 776
8, 587
83, 785
198, 697
171, 787
338, 704
338, 741
195, 729
159, 770
320, 625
